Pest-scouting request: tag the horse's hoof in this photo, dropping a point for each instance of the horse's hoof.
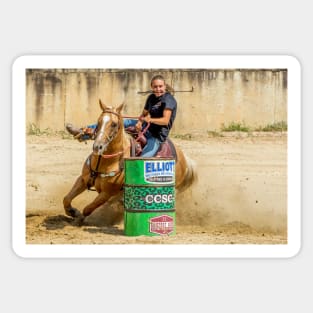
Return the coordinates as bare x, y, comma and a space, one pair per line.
73, 212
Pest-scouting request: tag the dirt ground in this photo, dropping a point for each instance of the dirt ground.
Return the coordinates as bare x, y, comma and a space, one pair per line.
240, 196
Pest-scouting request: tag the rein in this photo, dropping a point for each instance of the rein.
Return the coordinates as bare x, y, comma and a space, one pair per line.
108, 156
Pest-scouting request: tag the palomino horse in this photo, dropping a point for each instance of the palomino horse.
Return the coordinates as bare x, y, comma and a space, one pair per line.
103, 169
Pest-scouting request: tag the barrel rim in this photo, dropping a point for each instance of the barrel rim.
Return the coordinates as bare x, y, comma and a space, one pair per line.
150, 186
144, 159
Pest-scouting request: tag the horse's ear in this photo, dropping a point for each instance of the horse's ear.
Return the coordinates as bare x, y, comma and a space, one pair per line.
119, 108
102, 105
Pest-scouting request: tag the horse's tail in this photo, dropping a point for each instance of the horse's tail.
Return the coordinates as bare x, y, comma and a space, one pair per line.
191, 175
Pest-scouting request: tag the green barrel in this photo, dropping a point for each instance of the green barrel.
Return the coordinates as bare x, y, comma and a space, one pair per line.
149, 196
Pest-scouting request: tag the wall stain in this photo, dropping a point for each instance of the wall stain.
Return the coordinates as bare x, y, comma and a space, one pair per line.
219, 95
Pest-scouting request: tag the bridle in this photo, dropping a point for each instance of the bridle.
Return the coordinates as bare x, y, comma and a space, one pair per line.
95, 173
110, 138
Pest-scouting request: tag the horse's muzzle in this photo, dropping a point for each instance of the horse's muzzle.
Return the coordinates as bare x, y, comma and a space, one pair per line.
99, 147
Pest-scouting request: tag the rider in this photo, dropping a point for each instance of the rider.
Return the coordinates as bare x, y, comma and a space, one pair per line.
159, 110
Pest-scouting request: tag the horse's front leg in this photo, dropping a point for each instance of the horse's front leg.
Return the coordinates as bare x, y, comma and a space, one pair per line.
99, 200
77, 189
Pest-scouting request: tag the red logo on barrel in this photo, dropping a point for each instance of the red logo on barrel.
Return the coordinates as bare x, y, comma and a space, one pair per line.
162, 225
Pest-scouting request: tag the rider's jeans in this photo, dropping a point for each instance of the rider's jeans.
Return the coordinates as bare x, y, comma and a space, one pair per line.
152, 146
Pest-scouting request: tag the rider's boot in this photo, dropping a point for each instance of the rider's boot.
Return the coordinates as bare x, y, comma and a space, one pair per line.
80, 134
73, 130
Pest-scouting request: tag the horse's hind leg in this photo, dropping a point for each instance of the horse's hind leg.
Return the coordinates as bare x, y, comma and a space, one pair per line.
77, 189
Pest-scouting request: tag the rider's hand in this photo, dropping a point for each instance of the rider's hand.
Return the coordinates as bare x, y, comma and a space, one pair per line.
138, 126
147, 118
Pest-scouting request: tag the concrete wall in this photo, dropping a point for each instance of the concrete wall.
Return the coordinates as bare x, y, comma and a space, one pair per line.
254, 97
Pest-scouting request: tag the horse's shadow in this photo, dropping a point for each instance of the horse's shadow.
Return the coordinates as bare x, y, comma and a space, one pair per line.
57, 222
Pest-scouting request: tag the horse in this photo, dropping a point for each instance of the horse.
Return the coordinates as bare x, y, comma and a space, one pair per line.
103, 169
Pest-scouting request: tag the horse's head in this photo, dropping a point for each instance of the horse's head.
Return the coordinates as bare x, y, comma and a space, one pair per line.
110, 124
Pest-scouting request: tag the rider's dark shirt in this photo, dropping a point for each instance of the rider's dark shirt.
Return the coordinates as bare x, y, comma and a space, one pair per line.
155, 106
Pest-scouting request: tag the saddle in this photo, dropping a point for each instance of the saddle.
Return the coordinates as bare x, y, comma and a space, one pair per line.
138, 142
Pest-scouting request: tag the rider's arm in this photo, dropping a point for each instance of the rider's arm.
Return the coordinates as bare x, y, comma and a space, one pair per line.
164, 120
143, 114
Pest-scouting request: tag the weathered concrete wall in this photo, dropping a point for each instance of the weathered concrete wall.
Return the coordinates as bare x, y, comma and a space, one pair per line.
254, 97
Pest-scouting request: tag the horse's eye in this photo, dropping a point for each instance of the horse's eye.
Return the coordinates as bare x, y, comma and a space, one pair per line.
113, 124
